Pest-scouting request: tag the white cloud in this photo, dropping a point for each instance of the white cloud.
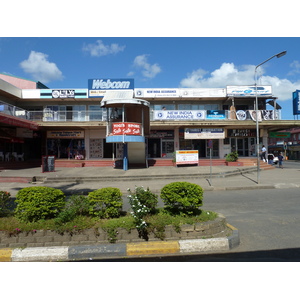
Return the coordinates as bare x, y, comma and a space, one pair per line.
229, 74
295, 65
99, 49
148, 70
40, 68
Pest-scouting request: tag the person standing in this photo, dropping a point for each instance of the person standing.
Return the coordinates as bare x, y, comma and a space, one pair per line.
263, 153
280, 159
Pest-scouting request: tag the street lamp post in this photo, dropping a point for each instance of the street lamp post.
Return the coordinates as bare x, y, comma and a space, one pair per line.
278, 55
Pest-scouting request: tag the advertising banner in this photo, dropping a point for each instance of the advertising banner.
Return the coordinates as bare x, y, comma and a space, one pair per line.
97, 87
296, 102
250, 90
56, 94
279, 134
215, 114
253, 115
156, 93
202, 92
204, 133
179, 114
126, 129
187, 157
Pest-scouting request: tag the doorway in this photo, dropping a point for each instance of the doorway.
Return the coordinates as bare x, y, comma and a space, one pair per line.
241, 145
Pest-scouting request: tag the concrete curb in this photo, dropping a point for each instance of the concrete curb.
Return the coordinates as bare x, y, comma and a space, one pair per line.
121, 250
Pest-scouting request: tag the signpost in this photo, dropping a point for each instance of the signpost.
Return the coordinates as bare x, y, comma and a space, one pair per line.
210, 146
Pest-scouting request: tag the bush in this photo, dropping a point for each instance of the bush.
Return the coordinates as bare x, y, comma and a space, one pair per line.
39, 203
232, 156
145, 197
4, 203
142, 203
76, 205
182, 198
105, 203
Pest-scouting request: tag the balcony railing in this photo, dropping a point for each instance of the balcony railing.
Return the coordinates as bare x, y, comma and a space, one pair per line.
47, 115
66, 116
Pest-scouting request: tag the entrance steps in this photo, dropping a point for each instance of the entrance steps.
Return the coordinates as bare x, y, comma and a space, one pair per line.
159, 162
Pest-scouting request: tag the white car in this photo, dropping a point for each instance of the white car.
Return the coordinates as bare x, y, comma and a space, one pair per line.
275, 158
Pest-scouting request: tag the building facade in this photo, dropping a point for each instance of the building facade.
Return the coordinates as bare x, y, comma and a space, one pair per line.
72, 123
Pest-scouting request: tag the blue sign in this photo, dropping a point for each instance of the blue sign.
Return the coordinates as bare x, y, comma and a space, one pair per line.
296, 103
110, 84
215, 114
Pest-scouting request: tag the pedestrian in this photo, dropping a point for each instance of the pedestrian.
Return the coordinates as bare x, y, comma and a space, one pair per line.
263, 153
280, 159
270, 158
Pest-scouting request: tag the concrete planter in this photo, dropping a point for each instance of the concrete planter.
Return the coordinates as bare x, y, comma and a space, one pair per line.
234, 163
47, 238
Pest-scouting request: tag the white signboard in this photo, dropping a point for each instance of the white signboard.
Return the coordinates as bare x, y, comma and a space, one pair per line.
203, 92
179, 114
187, 157
249, 90
156, 93
204, 133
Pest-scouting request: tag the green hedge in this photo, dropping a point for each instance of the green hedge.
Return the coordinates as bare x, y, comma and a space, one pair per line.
39, 203
182, 198
105, 202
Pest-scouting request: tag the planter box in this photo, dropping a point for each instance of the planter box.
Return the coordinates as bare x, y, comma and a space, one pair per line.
234, 163
48, 238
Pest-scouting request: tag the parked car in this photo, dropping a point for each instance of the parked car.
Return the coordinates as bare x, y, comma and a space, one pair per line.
272, 159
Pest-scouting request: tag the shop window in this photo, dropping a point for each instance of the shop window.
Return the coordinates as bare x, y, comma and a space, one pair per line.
95, 113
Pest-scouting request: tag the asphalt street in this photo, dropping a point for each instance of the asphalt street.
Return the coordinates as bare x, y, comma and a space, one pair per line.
267, 214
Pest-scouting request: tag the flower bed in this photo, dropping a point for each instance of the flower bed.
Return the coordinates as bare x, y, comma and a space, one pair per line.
48, 238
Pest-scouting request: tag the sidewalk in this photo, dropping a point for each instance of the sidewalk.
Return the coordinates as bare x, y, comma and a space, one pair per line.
84, 180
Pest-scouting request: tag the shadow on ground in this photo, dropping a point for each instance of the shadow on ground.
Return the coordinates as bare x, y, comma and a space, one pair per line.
278, 255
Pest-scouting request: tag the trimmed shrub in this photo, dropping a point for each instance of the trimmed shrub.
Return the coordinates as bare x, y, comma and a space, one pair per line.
4, 203
105, 203
39, 203
182, 198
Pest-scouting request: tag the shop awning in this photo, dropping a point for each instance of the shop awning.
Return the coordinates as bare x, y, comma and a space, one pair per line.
273, 103
18, 122
7, 138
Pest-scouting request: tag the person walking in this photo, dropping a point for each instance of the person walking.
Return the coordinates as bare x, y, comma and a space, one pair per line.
263, 153
280, 159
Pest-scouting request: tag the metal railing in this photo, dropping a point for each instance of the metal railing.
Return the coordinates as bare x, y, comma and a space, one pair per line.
48, 115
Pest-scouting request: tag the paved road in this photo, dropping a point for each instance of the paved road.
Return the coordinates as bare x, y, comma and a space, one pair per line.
267, 215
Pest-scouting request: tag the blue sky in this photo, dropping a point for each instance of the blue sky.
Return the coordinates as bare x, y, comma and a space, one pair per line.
162, 62
162, 46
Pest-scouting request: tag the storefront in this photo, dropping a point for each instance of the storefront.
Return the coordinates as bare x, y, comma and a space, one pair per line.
242, 140
160, 143
66, 144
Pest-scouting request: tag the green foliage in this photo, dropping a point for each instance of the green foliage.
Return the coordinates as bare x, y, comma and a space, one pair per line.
39, 203
145, 197
182, 198
105, 202
142, 202
76, 205
4, 203
232, 156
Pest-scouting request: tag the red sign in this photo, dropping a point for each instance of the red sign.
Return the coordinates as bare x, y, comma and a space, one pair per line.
126, 129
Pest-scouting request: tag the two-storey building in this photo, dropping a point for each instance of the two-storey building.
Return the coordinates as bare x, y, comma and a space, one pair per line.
74, 123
